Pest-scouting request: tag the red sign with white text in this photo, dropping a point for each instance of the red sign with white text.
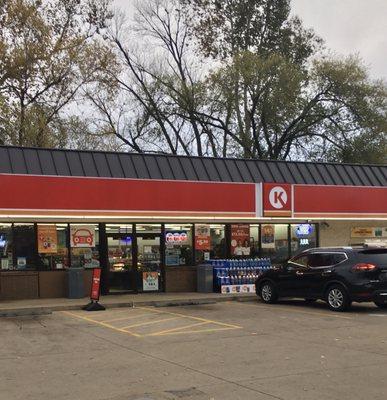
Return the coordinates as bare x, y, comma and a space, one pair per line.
95, 284
277, 200
240, 239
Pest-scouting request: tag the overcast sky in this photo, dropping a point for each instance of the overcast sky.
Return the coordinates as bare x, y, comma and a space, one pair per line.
347, 26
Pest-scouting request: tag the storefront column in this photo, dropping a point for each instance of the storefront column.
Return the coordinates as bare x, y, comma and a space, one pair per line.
162, 256
227, 236
103, 259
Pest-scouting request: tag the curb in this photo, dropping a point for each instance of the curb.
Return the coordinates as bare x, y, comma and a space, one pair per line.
24, 312
19, 312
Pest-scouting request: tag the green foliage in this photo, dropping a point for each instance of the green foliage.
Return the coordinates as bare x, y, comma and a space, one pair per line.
225, 28
48, 51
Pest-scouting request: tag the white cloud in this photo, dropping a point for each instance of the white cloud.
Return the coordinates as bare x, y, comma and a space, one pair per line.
350, 26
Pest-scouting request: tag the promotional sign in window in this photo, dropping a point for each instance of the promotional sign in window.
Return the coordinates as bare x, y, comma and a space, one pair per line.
150, 281
304, 230
202, 237
240, 240
368, 232
176, 237
47, 239
82, 236
267, 239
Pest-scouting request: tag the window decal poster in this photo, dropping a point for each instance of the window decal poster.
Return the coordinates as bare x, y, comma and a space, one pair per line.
82, 236
47, 239
268, 236
202, 237
150, 281
240, 240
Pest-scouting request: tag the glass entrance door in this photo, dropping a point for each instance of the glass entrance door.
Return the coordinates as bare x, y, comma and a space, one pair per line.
122, 276
149, 257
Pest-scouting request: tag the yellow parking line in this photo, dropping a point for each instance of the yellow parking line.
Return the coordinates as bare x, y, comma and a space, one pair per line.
279, 308
100, 323
191, 317
148, 323
199, 331
176, 329
124, 318
113, 312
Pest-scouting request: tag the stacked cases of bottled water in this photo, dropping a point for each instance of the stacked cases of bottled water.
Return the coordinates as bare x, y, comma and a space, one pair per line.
238, 276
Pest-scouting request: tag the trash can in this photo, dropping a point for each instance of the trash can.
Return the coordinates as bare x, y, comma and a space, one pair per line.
75, 283
205, 279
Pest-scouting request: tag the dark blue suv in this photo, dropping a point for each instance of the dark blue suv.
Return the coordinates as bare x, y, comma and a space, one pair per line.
337, 275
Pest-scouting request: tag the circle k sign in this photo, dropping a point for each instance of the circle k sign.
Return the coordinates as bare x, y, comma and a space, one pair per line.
277, 199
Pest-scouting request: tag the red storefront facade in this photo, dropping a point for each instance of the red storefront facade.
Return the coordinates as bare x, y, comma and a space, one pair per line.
137, 229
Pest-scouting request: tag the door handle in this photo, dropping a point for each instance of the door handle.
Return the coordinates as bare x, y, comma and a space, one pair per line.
299, 273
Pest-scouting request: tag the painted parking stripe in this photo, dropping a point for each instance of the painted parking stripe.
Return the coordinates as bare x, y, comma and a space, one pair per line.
209, 330
101, 324
158, 321
177, 329
219, 326
191, 317
124, 318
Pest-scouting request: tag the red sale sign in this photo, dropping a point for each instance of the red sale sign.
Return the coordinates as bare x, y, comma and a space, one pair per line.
95, 284
202, 237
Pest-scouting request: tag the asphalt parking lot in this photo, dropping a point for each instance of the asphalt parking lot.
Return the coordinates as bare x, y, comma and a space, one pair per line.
217, 351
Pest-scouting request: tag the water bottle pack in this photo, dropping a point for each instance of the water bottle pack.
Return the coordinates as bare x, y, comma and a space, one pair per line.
238, 272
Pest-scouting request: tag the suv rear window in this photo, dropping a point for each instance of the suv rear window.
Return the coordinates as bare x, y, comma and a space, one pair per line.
317, 260
373, 256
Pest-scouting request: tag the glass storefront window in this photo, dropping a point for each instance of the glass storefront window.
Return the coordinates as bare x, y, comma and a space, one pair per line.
84, 243
149, 257
6, 255
218, 241
303, 236
24, 247
178, 244
274, 242
120, 256
148, 244
52, 246
254, 240
120, 245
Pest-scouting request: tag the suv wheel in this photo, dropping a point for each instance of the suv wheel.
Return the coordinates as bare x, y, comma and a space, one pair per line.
381, 305
337, 298
268, 293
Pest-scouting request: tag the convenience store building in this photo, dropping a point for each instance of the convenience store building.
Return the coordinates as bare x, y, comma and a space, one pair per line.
148, 220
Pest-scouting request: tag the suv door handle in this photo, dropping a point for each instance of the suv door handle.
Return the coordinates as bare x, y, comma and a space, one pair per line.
299, 273
329, 271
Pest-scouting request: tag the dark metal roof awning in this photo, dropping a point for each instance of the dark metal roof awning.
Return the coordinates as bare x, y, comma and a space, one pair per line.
37, 161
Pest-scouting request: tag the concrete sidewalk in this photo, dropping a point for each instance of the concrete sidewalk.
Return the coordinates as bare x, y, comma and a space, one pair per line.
46, 306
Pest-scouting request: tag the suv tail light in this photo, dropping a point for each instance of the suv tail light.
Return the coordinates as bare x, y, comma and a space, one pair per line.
363, 267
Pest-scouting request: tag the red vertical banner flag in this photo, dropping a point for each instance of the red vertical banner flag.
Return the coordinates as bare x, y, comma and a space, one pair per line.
240, 240
95, 284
